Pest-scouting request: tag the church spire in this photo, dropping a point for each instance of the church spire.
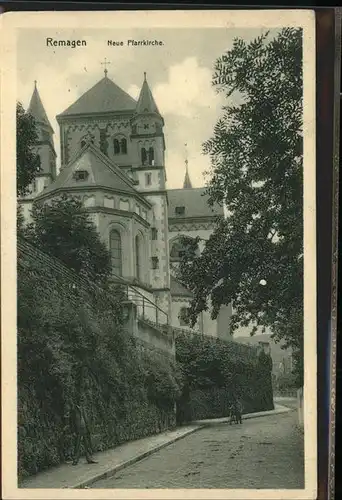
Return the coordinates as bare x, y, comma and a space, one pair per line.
37, 110
187, 182
44, 144
146, 102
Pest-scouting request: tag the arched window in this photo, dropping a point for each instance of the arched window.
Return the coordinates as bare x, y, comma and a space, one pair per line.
137, 257
83, 143
116, 147
143, 156
116, 252
120, 146
123, 145
151, 156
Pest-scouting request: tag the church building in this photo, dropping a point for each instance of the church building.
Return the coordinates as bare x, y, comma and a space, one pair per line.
112, 152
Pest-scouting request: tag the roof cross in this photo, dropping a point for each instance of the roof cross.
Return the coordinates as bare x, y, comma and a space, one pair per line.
105, 62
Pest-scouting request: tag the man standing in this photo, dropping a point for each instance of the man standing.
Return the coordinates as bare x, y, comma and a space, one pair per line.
80, 427
236, 411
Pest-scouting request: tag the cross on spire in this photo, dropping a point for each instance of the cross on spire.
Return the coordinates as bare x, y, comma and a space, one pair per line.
105, 62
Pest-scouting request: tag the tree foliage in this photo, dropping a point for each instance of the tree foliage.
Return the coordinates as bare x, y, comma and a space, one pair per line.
256, 172
28, 161
62, 228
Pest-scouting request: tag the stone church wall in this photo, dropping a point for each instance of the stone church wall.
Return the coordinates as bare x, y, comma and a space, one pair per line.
159, 247
219, 328
153, 336
74, 132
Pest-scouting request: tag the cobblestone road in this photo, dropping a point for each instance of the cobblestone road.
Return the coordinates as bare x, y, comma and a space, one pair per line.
264, 452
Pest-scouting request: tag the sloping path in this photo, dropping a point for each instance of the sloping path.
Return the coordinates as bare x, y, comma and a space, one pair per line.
114, 460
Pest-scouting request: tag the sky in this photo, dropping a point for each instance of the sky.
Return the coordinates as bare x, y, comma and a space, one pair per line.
179, 74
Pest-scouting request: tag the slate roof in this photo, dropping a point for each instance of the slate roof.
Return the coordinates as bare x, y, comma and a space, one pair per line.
37, 110
101, 173
195, 202
146, 102
177, 289
105, 96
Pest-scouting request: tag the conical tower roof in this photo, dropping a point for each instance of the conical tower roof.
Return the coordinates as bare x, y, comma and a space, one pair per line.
146, 102
105, 96
37, 110
187, 182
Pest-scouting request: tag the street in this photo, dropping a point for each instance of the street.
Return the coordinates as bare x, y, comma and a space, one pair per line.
263, 452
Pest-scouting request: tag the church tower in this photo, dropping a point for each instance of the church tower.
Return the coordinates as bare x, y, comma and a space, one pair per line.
147, 139
46, 150
45, 145
147, 133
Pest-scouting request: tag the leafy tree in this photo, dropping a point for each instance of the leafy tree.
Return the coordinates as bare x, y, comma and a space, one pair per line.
256, 172
62, 228
28, 161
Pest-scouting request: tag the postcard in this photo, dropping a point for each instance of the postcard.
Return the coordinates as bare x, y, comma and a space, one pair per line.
159, 254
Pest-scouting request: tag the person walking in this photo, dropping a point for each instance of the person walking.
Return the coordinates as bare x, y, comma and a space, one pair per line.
80, 427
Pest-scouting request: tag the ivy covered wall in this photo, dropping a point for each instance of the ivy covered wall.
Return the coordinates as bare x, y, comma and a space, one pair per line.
214, 371
72, 344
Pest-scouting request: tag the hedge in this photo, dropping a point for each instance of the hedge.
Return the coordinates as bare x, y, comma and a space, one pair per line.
215, 371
